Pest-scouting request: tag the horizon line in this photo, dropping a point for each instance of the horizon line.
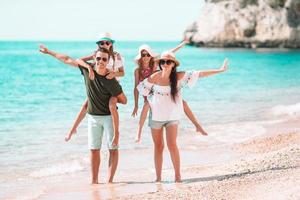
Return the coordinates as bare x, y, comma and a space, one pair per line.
59, 40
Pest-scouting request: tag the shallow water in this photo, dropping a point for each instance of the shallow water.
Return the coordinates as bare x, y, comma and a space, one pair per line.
40, 97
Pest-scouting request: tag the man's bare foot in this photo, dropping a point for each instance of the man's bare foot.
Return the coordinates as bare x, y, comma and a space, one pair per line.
94, 182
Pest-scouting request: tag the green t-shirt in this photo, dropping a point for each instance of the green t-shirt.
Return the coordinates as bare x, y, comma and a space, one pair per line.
99, 92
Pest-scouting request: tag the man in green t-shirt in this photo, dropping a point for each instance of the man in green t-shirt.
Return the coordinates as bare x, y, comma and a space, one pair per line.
99, 90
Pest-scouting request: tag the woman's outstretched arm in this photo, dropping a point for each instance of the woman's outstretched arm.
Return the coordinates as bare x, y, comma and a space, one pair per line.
223, 68
182, 44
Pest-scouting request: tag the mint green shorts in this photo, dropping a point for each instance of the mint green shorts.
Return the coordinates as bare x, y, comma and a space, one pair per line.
97, 127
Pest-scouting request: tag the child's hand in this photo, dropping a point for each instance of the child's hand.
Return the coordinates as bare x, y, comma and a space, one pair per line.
134, 112
91, 73
115, 142
111, 75
224, 66
203, 133
137, 140
186, 40
68, 137
43, 49
199, 129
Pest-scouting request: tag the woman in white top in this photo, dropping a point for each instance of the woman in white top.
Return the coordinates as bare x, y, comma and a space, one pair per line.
116, 70
163, 90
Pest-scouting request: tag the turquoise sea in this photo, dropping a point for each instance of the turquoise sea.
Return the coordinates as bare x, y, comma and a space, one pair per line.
40, 97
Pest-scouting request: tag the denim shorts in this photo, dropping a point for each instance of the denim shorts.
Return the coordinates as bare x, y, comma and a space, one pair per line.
159, 124
97, 127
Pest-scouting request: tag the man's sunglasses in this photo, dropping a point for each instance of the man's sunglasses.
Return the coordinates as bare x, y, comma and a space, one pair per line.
101, 58
167, 62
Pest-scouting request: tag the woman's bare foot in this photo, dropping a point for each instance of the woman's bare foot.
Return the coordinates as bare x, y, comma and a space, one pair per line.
95, 182
158, 180
178, 179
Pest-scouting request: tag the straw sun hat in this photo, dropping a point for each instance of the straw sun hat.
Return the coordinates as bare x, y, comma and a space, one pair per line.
168, 55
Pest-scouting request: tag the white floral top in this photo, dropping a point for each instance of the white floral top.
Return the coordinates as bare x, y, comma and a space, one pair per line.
114, 66
162, 106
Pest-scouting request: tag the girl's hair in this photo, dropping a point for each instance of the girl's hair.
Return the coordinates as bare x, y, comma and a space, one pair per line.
173, 81
140, 67
111, 52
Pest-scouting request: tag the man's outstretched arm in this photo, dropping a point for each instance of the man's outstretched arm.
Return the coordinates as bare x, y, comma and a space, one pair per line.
61, 57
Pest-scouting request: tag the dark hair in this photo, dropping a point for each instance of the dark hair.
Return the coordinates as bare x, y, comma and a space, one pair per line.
173, 81
110, 51
103, 50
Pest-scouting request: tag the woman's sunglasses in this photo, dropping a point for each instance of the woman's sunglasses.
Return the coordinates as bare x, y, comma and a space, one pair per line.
101, 58
104, 42
146, 54
167, 62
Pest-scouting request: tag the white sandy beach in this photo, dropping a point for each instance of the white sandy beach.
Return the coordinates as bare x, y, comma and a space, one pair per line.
264, 167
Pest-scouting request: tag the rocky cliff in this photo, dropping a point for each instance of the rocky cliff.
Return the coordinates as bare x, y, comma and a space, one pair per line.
247, 23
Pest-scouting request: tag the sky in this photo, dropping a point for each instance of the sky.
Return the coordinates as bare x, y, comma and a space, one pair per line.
85, 20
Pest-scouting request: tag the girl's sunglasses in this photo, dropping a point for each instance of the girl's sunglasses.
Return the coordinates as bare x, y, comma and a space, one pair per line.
104, 42
101, 58
167, 62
